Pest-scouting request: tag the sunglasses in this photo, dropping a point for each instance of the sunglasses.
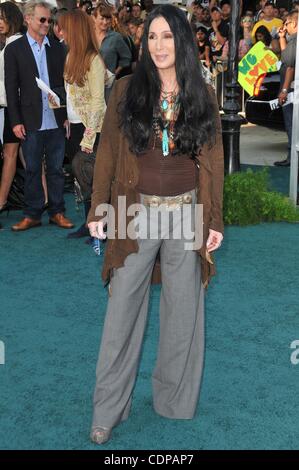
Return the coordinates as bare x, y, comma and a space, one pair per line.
43, 20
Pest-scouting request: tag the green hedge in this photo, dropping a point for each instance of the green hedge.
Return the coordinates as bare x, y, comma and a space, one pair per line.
248, 199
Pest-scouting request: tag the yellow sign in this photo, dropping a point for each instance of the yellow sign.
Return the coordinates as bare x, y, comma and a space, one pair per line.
258, 60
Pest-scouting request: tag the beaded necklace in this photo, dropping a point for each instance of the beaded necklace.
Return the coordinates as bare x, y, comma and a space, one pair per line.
164, 120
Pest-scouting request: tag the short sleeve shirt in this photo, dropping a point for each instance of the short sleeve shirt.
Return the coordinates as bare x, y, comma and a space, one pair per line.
288, 57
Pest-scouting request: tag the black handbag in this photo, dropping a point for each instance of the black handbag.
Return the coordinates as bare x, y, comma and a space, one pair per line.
83, 167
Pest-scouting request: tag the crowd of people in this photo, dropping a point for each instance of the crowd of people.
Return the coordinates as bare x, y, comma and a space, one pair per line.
260, 21
116, 37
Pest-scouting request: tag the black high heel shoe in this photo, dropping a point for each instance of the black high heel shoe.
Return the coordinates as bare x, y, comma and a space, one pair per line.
5, 208
46, 207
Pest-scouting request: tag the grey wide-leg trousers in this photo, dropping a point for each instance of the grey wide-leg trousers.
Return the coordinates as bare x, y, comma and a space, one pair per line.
177, 374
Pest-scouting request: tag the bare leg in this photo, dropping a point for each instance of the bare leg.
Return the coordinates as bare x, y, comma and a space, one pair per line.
44, 183
10, 153
21, 157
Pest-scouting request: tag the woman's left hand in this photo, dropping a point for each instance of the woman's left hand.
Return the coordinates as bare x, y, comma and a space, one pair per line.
86, 150
214, 240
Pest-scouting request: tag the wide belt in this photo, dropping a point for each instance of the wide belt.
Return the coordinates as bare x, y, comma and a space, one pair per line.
171, 202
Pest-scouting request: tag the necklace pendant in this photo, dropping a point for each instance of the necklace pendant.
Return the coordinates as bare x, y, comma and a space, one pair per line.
168, 114
165, 147
164, 105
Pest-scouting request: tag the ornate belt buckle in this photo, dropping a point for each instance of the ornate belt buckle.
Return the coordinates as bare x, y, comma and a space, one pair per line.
155, 201
173, 203
187, 198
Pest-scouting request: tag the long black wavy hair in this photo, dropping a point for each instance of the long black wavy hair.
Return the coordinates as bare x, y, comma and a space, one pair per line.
194, 125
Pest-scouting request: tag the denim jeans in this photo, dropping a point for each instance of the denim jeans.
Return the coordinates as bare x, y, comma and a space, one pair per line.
287, 112
51, 144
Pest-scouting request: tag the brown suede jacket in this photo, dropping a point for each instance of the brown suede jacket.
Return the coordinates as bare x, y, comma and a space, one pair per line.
116, 174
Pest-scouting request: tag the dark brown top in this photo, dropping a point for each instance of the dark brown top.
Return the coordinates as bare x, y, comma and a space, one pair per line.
165, 176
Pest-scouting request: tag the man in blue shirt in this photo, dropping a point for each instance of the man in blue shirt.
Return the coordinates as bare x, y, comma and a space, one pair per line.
39, 52
40, 128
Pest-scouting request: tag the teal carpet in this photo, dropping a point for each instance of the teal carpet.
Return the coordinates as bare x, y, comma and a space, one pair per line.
279, 177
52, 311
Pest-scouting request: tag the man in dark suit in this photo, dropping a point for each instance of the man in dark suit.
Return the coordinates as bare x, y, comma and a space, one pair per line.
40, 128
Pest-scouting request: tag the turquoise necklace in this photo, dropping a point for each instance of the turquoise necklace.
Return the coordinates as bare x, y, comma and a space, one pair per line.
165, 143
168, 110
164, 104
167, 102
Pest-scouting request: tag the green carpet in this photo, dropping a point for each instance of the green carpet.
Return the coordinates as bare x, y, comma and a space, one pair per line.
52, 311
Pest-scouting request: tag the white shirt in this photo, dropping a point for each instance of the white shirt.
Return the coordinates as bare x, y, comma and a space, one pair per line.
72, 116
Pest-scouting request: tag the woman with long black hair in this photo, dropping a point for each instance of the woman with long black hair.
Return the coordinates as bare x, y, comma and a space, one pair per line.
160, 148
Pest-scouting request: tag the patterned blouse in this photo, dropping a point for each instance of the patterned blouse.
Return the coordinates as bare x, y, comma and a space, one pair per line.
88, 101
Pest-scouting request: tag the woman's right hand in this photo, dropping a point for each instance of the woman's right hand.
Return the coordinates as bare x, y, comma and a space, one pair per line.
52, 101
19, 131
96, 229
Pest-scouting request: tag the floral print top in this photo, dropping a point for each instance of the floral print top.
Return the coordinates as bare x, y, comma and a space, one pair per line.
89, 101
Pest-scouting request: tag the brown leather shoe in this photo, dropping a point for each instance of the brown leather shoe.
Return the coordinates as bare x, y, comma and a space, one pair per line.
61, 221
25, 224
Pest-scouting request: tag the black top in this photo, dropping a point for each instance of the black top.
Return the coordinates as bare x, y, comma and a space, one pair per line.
201, 49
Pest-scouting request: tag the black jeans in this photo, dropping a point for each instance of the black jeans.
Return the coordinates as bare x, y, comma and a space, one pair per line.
73, 143
50, 143
76, 136
82, 162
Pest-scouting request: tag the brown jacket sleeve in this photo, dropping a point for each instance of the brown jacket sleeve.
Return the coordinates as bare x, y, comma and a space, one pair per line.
216, 157
107, 152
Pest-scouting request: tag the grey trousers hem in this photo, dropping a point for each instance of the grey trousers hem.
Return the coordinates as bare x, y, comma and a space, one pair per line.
177, 416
